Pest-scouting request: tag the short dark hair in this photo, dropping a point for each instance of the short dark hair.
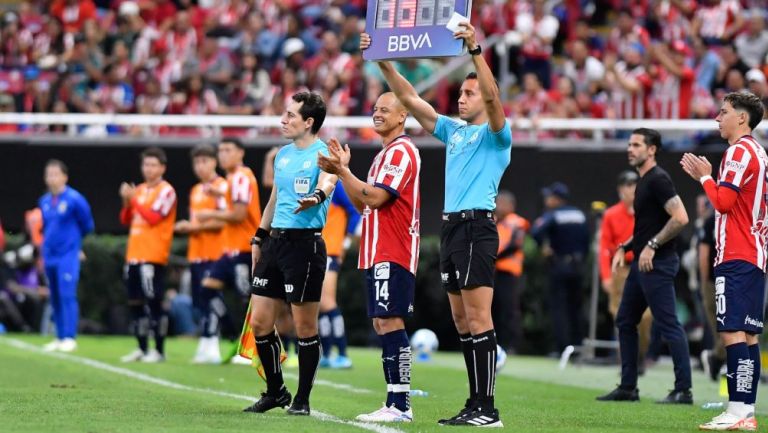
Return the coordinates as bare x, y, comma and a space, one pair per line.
205, 150
234, 140
651, 136
471, 76
58, 163
312, 106
155, 152
749, 102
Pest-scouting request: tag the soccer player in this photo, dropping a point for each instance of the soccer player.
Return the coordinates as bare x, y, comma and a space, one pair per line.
342, 221
389, 247
477, 153
241, 218
741, 229
149, 209
659, 218
205, 243
289, 254
66, 220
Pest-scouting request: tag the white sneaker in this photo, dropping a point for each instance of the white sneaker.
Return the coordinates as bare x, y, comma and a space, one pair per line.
729, 421
207, 351
52, 346
134, 356
387, 414
153, 357
67, 345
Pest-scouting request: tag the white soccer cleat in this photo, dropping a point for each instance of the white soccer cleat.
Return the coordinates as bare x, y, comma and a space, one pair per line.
387, 414
134, 356
729, 421
67, 345
52, 346
153, 357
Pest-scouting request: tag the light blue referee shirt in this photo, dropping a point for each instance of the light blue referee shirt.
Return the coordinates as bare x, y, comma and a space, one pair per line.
475, 160
296, 174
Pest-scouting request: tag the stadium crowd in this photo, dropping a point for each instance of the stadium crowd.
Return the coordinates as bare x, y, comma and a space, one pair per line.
619, 59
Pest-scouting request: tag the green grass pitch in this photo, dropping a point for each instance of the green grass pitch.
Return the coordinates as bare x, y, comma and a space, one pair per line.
91, 391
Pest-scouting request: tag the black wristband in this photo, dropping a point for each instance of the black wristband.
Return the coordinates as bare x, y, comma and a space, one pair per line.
255, 241
320, 194
653, 244
261, 233
476, 51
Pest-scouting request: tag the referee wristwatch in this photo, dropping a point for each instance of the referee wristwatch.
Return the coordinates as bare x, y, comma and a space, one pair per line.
476, 51
654, 244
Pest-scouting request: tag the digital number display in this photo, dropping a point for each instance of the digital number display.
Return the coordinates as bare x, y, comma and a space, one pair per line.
413, 13
402, 29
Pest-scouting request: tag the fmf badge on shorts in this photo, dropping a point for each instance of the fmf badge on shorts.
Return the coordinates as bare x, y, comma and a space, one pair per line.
381, 271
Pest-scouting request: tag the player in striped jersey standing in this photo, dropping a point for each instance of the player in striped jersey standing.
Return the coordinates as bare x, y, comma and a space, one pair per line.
741, 228
477, 153
389, 245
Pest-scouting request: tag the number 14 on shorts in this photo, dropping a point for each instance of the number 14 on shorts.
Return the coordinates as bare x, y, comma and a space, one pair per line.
381, 281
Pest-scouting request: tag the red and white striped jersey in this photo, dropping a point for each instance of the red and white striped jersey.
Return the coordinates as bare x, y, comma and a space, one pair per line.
740, 234
391, 232
632, 105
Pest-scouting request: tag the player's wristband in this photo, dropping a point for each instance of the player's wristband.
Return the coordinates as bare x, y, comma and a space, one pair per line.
320, 195
255, 241
705, 178
259, 237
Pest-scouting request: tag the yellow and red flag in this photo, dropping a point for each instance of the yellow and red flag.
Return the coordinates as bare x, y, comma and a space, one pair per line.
246, 346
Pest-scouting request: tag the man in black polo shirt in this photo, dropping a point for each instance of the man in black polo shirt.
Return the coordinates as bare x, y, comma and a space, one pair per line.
659, 218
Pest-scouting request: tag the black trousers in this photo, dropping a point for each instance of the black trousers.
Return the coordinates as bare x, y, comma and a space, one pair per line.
506, 312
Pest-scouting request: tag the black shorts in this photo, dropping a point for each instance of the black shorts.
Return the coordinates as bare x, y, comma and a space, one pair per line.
234, 270
468, 253
292, 267
390, 290
145, 281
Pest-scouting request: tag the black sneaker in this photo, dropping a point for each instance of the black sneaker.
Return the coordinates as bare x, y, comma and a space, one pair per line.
298, 408
715, 364
267, 402
683, 396
479, 417
468, 405
620, 394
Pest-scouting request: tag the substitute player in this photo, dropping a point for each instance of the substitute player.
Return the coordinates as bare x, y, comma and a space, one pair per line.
741, 228
241, 218
289, 253
477, 153
389, 247
66, 220
149, 209
342, 222
205, 241
659, 218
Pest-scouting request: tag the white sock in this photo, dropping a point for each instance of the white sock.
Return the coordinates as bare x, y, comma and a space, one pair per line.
742, 410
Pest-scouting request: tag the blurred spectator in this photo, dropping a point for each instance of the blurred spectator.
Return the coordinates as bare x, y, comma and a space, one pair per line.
716, 22
538, 30
113, 95
594, 42
627, 34
73, 13
752, 45
532, 101
672, 82
329, 60
34, 97
561, 101
729, 61
50, 45
192, 98
585, 71
7, 105
181, 42
257, 39
756, 83
214, 64
706, 65
23, 293
671, 19
628, 83
15, 42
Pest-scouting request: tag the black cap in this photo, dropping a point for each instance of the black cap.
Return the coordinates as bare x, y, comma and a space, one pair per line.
627, 177
557, 189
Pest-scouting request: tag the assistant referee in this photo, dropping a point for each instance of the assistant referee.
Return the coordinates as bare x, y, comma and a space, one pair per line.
289, 254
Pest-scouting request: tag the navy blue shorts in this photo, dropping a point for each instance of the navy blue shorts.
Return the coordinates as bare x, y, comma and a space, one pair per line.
390, 290
145, 281
333, 264
739, 294
198, 271
233, 271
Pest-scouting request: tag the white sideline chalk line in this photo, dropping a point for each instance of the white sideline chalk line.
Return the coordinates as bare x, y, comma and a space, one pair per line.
341, 386
18, 344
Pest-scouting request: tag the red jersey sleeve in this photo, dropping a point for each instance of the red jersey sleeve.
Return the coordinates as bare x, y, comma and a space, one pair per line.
395, 171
